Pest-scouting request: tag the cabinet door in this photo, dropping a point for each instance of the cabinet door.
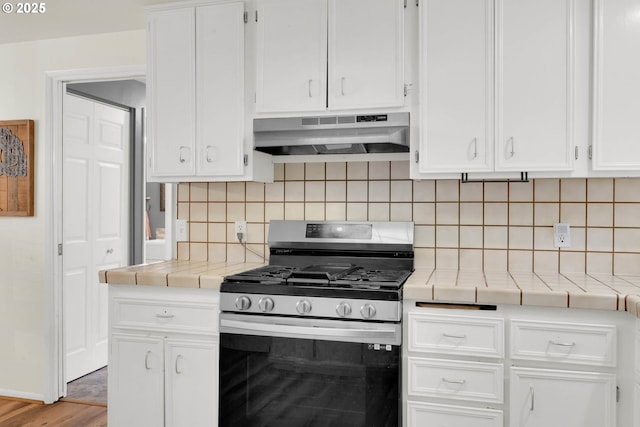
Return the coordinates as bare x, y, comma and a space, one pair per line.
456, 59
136, 381
291, 55
220, 89
192, 383
171, 92
616, 131
427, 414
365, 53
543, 398
534, 85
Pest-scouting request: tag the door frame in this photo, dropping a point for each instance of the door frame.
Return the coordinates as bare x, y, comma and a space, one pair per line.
54, 358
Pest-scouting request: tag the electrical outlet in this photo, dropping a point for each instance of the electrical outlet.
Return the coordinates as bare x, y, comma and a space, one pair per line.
561, 235
241, 231
182, 235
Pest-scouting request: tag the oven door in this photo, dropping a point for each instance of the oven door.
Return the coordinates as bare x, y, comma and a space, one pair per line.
293, 372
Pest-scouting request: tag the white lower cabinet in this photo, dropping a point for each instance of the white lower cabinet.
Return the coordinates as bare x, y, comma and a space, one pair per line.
454, 369
428, 414
136, 381
548, 397
519, 367
163, 357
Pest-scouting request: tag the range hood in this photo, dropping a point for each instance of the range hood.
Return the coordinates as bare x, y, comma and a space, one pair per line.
344, 134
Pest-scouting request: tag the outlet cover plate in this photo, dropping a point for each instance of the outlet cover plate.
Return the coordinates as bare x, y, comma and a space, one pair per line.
182, 234
562, 235
241, 227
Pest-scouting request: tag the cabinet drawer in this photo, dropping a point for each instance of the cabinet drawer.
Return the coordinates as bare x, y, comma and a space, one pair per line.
428, 414
157, 315
482, 382
563, 342
461, 335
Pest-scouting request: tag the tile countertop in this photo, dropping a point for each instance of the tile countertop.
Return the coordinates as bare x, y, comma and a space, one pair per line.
550, 289
175, 273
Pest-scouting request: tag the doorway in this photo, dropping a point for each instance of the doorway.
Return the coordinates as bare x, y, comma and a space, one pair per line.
84, 81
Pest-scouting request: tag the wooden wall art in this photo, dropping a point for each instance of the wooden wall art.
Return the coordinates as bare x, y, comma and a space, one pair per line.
16, 168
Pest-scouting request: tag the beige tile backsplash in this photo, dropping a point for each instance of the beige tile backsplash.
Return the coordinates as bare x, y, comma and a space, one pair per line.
490, 226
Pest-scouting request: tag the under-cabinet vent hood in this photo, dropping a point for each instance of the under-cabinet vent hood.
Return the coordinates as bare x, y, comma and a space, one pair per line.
344, 134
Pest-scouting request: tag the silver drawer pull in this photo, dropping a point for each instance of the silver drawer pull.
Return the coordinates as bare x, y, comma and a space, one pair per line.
532, 398
459, 337
165, 316
448, 381
146, 360
178, 370
562, 344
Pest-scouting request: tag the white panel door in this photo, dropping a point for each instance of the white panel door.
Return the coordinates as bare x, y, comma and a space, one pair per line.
291, 55
366, 54
136, 381
95, 224
456, 57
616, 131
220, 89
191, 369
543, 398
534, 85
171, 93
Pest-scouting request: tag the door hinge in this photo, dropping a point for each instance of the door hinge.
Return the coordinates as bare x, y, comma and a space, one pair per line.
245, 17
590, 152
405, 4
256, 16
246, 160
59, 248
417, 156
576, 152
617, 394
417, 3
407, 88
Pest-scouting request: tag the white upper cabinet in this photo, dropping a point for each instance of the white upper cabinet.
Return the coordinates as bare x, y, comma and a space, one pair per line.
171, 92
616, 116
497, 86
365, 55
195, 95
319, 54
534, 85
291, 55
457, 85
220, 89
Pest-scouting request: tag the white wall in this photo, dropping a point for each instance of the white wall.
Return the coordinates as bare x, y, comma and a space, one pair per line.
22, 270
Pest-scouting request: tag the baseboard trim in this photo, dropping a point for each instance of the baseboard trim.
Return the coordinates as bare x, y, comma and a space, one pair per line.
21, 396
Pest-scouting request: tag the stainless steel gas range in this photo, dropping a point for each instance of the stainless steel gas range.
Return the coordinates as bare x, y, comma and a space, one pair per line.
313, 338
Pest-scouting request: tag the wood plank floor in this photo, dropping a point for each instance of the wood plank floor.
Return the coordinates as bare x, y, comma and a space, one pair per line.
17, 413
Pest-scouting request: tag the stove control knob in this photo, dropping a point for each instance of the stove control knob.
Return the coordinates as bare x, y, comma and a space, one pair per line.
343, 309
303, 306
265, 304
368, 311
243, 303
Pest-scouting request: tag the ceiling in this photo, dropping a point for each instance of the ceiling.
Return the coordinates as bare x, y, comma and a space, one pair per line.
65, 18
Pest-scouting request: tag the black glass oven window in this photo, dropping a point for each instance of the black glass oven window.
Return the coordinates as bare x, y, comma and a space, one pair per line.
284, 382
339, 231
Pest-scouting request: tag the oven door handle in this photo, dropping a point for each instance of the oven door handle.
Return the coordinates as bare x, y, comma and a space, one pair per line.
382, 334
